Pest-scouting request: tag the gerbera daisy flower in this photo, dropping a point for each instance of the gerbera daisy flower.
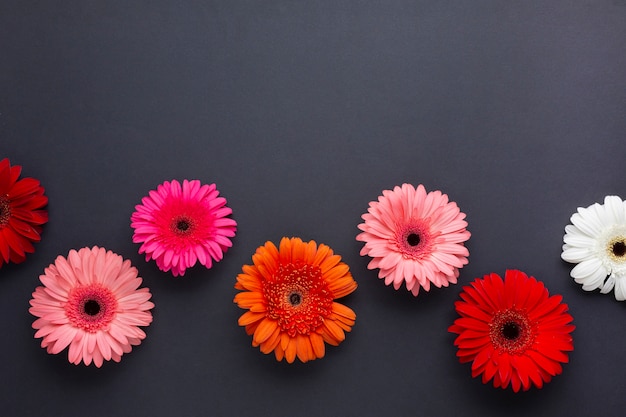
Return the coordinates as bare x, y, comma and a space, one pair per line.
596, 241
180, 225
22, 213
512, 331
290, 293
91, 302
414, 237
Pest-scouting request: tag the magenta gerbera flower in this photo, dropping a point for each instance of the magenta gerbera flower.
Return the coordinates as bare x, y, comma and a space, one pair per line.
180, 225
91, 302
415, 237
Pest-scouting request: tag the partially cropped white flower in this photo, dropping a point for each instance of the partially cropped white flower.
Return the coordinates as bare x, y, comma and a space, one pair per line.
596, 241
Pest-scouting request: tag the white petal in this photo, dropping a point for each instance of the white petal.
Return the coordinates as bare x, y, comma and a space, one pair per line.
594, 281
575, 255
588, 221
579, 240
608, 285
620, 288
587, 268
615, 208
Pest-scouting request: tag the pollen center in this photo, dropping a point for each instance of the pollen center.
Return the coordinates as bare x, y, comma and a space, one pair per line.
5, 211
616, 249
511, 331
91, 308
298, 298
413, 239
182, 225
295, 299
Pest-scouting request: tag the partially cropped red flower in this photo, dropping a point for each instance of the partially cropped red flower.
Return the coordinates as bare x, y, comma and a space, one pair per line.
22, 213
512, 331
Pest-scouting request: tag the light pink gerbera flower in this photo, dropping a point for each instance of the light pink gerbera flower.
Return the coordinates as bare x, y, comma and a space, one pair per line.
178, 226
415, 237
92, 302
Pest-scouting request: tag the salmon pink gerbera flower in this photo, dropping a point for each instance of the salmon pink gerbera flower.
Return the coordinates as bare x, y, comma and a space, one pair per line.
179, 225
512, 331
415, 237
91, 302
290, 293
22, 213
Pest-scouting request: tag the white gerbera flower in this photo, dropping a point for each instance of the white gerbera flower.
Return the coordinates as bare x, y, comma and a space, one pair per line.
596, 241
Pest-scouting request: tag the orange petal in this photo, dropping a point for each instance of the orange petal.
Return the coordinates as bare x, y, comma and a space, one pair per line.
304, 349
334, 331
323, 252
250, 317
271, 342
343, 311
343, 286
317, 343
264, 331
290, 352
337, 272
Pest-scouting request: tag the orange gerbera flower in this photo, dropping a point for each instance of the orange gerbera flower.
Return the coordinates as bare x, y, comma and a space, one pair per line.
290, 292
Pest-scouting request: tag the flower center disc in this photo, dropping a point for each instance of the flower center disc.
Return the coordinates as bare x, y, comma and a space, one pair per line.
511, 331
295, 299
91, 308
5, 211
413, 239
617, 249
182, 225
298, 298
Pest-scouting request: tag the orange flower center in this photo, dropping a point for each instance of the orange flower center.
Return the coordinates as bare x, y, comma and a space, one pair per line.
298, 298
91, 308
5, 211
511, 331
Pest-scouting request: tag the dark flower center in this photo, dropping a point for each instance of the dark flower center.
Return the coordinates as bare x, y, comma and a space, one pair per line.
619, 248
413, 239
295, 299
182, 225
91, 307
298, 298
510, 330
5, 210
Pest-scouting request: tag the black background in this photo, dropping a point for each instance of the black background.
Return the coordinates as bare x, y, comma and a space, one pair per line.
301, 113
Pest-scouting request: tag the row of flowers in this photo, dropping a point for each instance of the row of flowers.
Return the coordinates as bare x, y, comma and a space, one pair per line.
510, 329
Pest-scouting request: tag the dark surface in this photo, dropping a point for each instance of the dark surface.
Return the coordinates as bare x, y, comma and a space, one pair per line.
303, 112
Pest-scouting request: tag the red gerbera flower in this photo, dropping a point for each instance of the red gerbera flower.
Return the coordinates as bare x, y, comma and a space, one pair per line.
512, 331
21, 213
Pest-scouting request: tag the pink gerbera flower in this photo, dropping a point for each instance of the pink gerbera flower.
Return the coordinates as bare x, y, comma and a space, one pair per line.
178, 226
91, 302
415, 237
